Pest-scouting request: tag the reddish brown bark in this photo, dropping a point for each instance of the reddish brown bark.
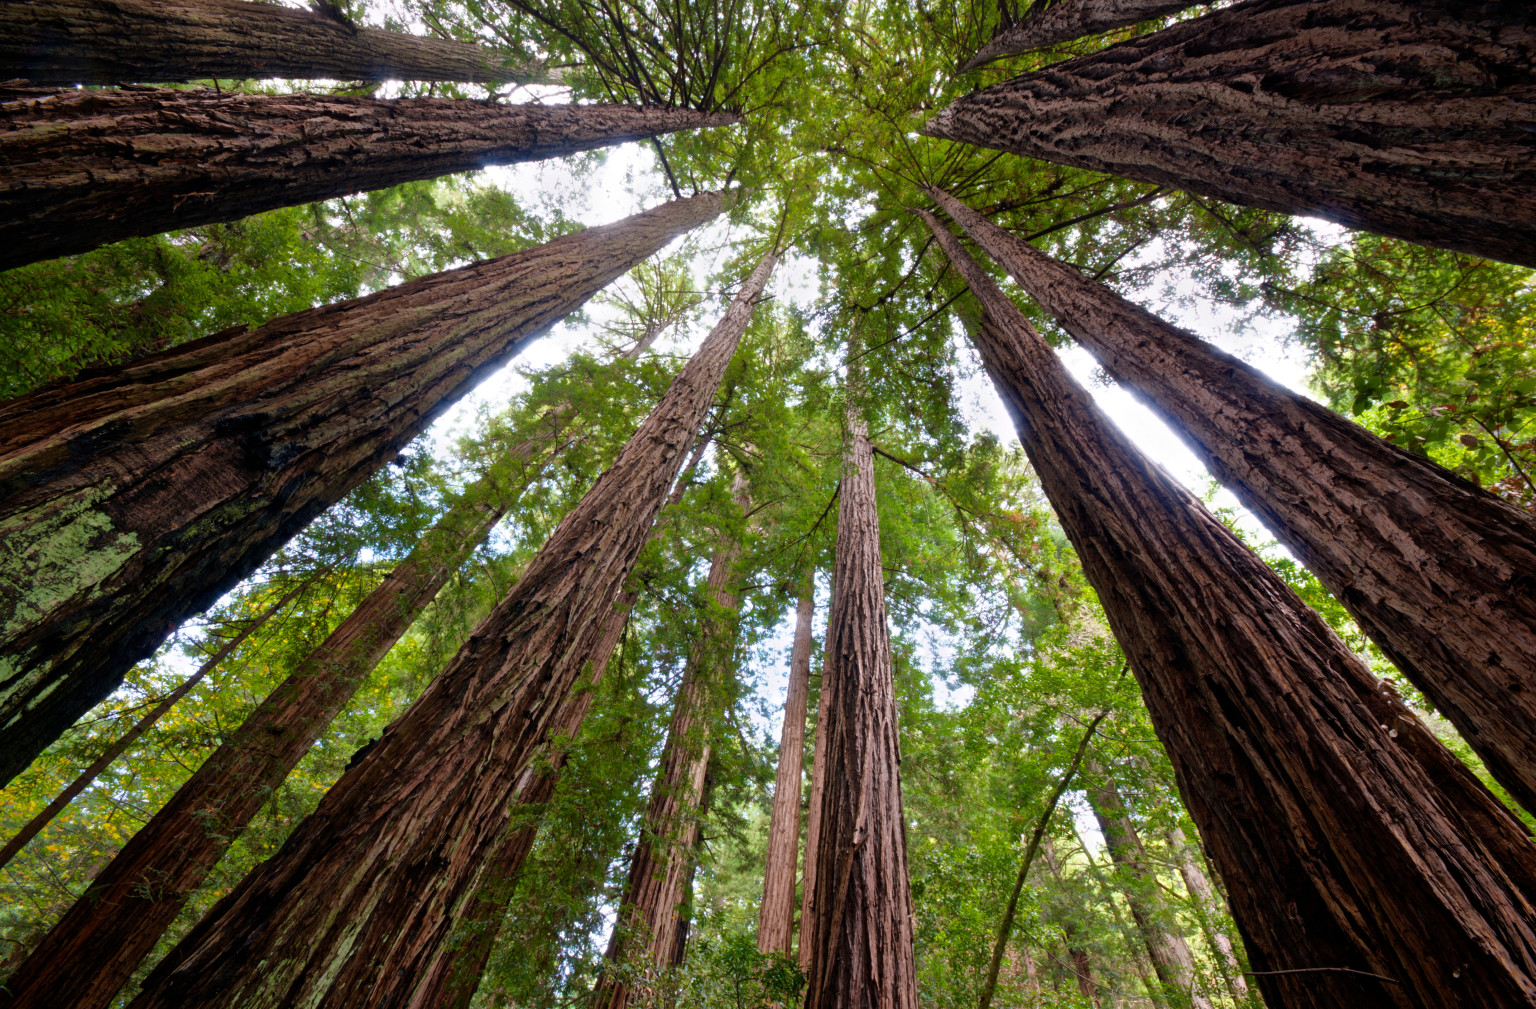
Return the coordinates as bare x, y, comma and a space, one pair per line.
861, 936
1438, 572
84, 168
1354, 845
1066, 20
776, 915
1404, 117
132, 498
113, 41
363, 895
813, 816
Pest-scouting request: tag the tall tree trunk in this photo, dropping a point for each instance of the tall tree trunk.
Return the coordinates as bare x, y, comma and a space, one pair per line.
1404, 117
133, 498
1082, 966
1355, 846
776, 916
813, 813
1066, 20
861, 940
84, 168
1206, 906
114, 41
1437, 571
364, 893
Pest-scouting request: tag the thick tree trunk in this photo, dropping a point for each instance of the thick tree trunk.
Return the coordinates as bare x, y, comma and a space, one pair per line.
115, 41
1066, 20
1355, 846
1436, 571
861, 939
813, 814
1404, 117
131, 499
84, 168
364, 893
776, 916
1204, 898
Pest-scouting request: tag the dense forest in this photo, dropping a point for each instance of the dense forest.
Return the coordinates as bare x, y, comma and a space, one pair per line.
746, 503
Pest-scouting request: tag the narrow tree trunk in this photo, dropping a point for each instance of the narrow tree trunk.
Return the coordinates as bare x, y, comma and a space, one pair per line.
1067, 20
114, 41
813, 813
363, 895
861, 940
1404, 117
84, 168
1207, 907
133, 498
776, 916
1082, 966
1351, 853
1437, 571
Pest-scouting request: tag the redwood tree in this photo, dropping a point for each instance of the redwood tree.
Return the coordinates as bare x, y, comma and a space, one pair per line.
1366, 865
133, 497
363, 895
1405, 117
776, 915
1437, 571
1050, 24
84, 168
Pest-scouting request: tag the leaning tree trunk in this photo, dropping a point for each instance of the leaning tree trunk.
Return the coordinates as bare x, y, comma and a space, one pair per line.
115, 41
1437, 571
83, 168
133, 498
776, 916
861, 937
1405, 117
1204, 899
1066, 20
364, 893
1355, 846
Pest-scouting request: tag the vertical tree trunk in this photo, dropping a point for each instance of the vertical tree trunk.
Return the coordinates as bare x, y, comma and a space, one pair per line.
1066, 20
364, 893
1404, 117
776, 916
1082, 966
1355, 846
84, 168
1206, 906
813, 813
114, 41
133, 498
861, 940
1437, 571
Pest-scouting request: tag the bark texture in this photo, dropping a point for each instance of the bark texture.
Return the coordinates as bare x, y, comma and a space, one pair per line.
132, 498
84, 168
115, 41
1070, 19
1349, 837
364, 893
1207, 906
1440, 574
1404, 117
813, 814
776, 916
861, 940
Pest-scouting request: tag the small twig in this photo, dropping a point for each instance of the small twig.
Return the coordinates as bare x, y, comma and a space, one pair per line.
1337, 970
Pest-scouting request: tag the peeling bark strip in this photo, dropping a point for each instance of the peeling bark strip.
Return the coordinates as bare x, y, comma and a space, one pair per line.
363, 895
776, 916
1440, 574
861, 940
1067, 20
84, 168
1342, 844
113, 41
132, 498
1405, 117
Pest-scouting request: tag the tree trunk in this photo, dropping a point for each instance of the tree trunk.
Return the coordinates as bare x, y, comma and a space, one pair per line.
861, 939
1437, 571
1067, 20
364, 893
813, 814
133, 498
84, 168
1082, 966
1355, 846
113, 41
1404, 117
1207, 907
776, 916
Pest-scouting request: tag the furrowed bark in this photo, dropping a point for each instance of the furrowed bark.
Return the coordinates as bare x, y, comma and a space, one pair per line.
776, 916
813, 815
1404, 117
1437, 571
1068, 20
132, 498
115, 41
861, 940
364, 893
1349, 837
84, 168
1204, 899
